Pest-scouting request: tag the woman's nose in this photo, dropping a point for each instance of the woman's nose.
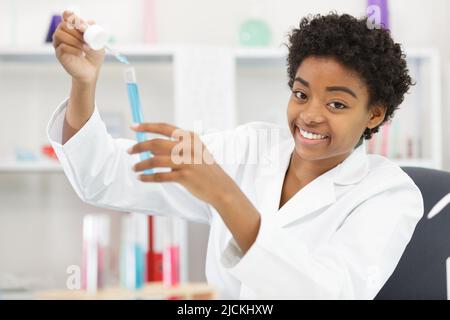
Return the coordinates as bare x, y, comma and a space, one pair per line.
312, 114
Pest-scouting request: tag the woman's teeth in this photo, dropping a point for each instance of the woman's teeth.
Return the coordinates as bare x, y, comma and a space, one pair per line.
311, 136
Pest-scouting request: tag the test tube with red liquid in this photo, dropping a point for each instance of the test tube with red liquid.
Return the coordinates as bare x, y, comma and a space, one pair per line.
171, 252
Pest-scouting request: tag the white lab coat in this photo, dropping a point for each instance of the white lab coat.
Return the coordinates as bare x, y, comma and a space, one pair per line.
340, 237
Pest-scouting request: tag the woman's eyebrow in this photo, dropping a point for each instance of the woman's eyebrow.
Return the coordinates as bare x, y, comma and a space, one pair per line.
343, 89
334, 88
302, 81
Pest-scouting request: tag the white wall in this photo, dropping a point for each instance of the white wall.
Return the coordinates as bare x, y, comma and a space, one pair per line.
32, 223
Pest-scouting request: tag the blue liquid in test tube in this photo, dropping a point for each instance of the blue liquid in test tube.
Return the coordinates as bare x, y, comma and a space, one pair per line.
136, 111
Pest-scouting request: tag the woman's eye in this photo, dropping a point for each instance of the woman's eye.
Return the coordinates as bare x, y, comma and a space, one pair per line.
337, 105
300, 95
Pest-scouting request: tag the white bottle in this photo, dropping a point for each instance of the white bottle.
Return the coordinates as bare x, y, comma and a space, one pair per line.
96, 37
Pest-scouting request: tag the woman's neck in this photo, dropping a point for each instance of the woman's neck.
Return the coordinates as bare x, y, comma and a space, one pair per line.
305, 171
301, 172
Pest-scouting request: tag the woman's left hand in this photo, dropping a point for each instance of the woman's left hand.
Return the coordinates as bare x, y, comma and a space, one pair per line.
191, 163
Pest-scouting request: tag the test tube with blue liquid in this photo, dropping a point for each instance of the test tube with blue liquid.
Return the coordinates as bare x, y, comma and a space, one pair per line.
136, 111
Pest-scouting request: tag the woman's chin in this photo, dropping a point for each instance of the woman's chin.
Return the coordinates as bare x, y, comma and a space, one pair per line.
309, 154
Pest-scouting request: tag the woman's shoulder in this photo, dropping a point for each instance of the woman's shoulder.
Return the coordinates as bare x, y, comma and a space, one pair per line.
387, 187
386, 173
378, 163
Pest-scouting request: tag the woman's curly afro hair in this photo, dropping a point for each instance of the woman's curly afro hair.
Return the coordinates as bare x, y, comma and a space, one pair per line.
371, 53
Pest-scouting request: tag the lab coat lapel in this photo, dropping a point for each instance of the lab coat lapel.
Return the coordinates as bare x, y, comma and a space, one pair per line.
321, 192
315, 196
269, 181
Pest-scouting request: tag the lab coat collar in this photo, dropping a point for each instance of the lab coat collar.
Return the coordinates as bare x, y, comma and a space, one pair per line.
354, 168
315, 196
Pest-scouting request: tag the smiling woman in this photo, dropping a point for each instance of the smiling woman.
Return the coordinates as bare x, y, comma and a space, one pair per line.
328, 113
346, 81
371, 55
315, 218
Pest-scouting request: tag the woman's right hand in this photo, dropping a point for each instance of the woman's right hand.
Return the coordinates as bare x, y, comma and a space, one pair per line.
77, 58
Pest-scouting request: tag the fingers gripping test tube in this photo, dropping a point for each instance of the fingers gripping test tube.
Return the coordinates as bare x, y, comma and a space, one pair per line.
136, 110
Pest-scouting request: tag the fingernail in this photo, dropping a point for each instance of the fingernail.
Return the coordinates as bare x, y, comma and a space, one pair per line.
130, 149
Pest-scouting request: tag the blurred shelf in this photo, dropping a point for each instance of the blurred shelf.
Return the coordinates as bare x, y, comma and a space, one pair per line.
165, 53
46, 53
258, 56
145, 53
139, 53
27, 54
42, 165
422, 52
184, 291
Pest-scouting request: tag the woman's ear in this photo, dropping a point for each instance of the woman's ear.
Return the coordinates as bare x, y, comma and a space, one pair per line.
377, 114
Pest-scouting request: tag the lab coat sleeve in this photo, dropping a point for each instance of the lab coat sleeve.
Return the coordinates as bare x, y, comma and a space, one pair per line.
100, 171
355, 264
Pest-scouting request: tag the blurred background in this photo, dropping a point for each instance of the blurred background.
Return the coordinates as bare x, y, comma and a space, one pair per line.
221, 63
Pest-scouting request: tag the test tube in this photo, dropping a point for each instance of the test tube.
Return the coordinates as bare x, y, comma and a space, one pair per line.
171, 253
136, 110
133, 248
95, 252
